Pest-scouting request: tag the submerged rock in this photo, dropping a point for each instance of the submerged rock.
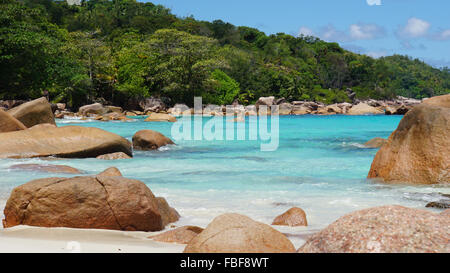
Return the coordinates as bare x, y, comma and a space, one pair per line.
67, 142
294, 217
46, 168
181, 235
235, 233
95, 202
418, 151
9, 123
389, 229
150, 140
34, 112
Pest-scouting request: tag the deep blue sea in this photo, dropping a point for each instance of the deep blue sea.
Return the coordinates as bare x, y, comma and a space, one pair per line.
320, 166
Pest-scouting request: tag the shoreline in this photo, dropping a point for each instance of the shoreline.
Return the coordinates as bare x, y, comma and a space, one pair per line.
21, 239
314, 201
30, 239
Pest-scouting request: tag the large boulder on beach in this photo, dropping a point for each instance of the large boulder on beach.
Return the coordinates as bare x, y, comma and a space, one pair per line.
285, 109
9, 124
300, 110
66, 142
440, 101
388, 229
168, 214
418, 151
34, 112
294, 217
94, 202
250, 110
364, 109
161, 117
267, 101
152, 104
92, 109
181, 235
235, 233
146, 140
397, 109
180, 109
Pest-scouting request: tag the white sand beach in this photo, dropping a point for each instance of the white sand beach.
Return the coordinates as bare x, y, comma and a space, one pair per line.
26, 239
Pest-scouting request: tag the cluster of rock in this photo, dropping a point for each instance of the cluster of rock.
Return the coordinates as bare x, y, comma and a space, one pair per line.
110, 201
29, 130
26, 115
157, 110
399, 106
418, 152
370, 107
388, 229
94, 111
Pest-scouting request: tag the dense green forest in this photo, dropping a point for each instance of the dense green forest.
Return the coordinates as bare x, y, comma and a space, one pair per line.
121, 50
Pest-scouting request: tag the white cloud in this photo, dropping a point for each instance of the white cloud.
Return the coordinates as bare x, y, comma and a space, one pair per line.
305, 31
366, 31
355, 32
443, 35
414, 28
331, 34
374, 2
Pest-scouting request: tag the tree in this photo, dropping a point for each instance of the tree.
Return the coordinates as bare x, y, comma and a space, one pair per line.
224, 90
95, 56
31, 55
171, 63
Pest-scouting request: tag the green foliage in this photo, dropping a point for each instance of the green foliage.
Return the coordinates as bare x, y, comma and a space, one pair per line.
121, 49
170, 63
224, 90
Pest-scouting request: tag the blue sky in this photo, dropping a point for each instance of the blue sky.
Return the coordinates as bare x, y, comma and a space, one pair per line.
418, 28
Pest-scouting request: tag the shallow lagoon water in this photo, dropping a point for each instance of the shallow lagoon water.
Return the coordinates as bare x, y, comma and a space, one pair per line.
320, 166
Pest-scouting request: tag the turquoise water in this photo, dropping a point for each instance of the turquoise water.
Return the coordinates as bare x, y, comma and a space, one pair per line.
320, 166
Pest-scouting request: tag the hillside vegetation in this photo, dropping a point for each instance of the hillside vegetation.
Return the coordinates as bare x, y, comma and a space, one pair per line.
121, 50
